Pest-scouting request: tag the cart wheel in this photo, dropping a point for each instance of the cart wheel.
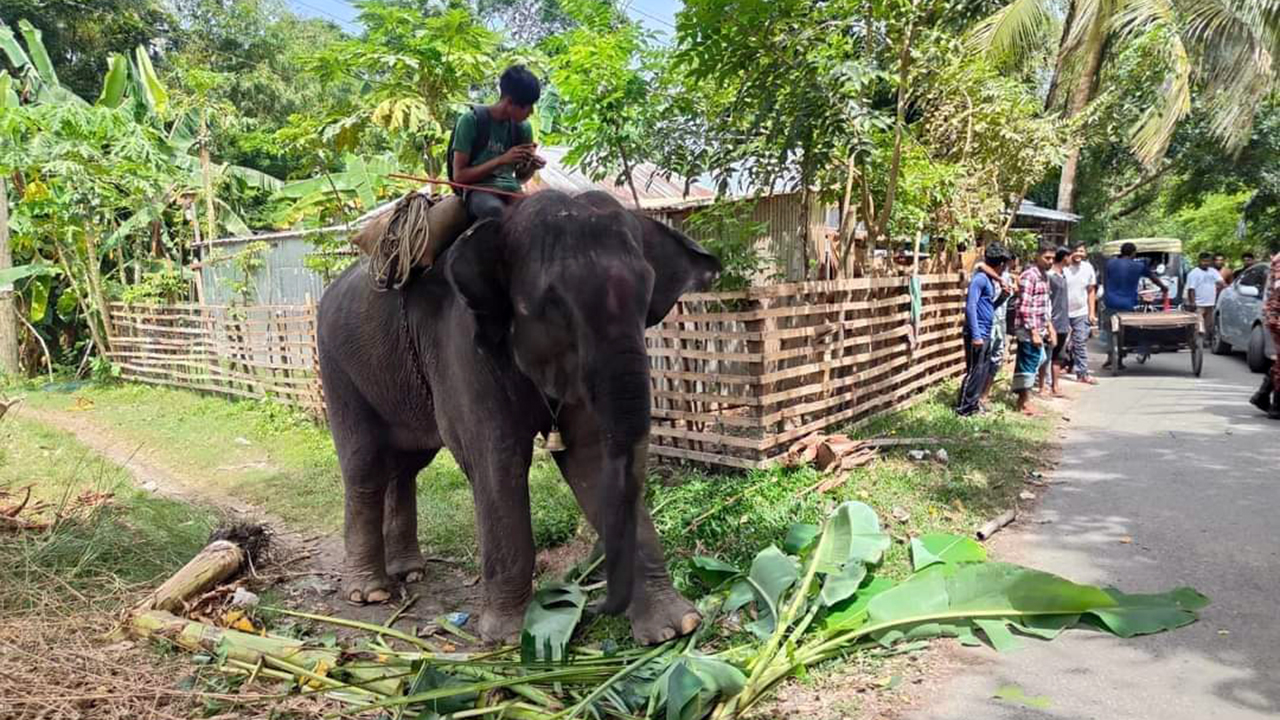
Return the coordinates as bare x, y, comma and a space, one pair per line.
1113, 355
1197, 359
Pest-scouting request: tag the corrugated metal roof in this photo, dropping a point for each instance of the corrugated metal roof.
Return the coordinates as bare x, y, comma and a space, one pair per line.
651, 186
1031, 209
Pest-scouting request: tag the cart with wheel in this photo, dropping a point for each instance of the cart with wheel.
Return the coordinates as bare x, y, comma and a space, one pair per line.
1146, 333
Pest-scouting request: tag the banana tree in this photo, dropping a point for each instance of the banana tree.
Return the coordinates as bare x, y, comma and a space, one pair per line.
341, 196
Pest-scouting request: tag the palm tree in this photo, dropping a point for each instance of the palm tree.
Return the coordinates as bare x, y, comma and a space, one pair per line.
1225, 49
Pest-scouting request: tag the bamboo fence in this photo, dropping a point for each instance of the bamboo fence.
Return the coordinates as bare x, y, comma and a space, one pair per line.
264, 352
737, 377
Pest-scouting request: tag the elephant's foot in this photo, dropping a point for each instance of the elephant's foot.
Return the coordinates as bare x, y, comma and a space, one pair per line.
661, 616
410, 568
368, 588
501, 626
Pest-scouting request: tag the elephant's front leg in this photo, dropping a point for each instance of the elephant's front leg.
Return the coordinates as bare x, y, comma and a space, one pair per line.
658, 613
499, 474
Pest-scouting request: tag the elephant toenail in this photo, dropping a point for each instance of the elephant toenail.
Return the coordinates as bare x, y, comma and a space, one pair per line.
355, 597
379, 596
689, 623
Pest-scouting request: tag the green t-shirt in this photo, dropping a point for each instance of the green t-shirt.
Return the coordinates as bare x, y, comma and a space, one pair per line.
501, 139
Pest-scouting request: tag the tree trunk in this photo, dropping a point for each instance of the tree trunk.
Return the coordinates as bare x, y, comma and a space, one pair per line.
848, 219
8, 318
900, 121
207, 176
631, 181
1060, 63
1081, 94
94, 275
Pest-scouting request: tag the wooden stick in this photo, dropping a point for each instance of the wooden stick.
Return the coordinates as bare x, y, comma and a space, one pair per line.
993, 526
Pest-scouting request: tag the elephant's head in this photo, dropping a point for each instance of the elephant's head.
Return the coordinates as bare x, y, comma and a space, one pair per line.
568, 285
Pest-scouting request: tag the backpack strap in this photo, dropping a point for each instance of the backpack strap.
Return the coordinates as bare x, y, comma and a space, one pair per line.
483, 126
478, 143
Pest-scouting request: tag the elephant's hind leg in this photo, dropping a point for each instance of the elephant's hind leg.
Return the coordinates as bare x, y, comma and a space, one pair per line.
400, 517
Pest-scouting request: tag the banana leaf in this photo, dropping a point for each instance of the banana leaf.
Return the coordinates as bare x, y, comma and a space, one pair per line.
114, 82
1146, 614
692, 685
8, 96
772, 574
549, 622
8, 276
713, 572
852, 534
39, 56
12, 49
39, 298
936, 548
149, 82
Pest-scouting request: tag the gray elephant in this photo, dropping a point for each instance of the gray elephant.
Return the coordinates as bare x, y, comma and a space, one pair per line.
523, 323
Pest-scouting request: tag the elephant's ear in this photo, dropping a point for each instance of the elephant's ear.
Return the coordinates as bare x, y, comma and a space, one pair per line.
679, 265
476, 266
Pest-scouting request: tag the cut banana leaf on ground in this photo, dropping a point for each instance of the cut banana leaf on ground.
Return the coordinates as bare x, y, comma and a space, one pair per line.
816, 599
549, 622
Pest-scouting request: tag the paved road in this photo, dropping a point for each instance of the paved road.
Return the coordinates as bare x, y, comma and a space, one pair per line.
1191, 472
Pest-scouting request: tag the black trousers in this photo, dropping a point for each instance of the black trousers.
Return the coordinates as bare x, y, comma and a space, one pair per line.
977, 371
481, 205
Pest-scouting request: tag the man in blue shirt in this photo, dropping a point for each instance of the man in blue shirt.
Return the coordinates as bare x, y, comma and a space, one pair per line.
979, 314
1122, 276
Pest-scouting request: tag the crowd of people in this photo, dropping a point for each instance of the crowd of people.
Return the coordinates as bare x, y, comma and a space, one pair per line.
1048, 307
1051, 309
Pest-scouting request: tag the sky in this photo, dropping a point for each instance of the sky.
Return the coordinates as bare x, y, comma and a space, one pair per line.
657, 15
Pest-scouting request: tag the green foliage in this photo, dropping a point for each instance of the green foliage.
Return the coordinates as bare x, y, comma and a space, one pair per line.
164, 286
415, 69
247, 262
727, 231
78, 35
601, 71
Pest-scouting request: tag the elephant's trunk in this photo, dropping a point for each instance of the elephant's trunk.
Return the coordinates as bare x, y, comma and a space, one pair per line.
620, 393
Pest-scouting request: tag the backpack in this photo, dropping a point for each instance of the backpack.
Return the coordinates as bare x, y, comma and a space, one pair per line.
483, 125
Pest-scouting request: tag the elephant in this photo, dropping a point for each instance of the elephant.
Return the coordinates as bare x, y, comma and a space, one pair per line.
524, 324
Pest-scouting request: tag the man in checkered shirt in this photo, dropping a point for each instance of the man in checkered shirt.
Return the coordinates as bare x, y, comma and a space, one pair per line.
1032, 325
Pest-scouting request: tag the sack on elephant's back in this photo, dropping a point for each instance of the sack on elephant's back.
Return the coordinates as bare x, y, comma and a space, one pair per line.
413, 233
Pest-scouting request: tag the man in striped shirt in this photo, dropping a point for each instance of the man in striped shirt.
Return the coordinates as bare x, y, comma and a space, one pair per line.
1032, 325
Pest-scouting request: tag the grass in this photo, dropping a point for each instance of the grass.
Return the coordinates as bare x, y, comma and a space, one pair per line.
95, 552
282, 462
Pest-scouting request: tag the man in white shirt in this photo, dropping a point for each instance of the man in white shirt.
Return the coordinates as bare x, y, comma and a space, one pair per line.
1082, 309
1203, 285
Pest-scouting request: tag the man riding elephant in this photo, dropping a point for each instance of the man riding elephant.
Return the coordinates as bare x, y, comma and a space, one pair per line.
524, 325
